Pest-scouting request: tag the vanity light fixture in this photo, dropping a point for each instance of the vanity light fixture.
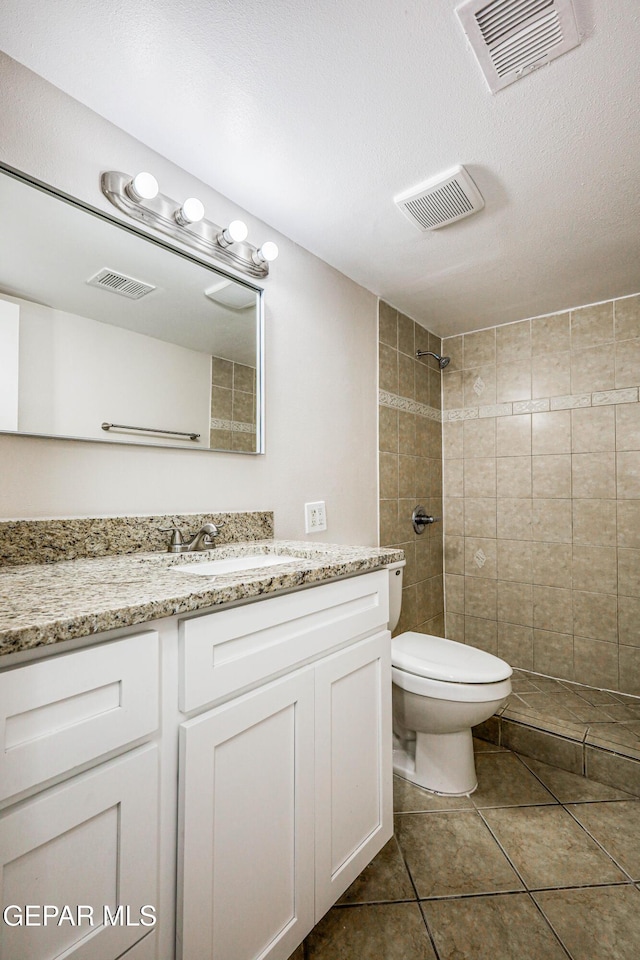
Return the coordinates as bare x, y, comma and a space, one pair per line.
139, 197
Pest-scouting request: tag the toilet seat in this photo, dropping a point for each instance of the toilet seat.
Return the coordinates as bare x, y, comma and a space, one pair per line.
454, 692
435, 658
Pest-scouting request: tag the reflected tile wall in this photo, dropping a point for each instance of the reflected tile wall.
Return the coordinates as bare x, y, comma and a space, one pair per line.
233, 406
410, 444
541, 440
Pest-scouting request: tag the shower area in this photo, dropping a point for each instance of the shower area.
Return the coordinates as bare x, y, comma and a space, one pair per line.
534, 463
542, 493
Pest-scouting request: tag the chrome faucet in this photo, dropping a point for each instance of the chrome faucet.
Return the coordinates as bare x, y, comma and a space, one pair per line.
204, 539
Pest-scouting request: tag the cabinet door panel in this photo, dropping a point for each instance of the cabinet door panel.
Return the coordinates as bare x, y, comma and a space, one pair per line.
92, 842
246, 793
354, 815
68, 710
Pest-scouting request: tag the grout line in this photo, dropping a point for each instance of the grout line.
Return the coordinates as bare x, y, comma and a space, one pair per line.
417, 900
595, 839
372, 903
514, 893
429, 933
583, 886
411, 813
508, 858
473, 896
539, 779
549, 924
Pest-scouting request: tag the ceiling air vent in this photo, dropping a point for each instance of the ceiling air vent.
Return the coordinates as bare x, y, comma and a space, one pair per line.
119, 283
441, 200
511, 38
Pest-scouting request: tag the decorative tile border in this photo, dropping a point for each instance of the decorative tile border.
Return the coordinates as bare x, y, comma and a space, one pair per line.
408, 406
540, 405
543, 404
468, 413
496, 410
236, 426
570, 403
630, 395
531, 406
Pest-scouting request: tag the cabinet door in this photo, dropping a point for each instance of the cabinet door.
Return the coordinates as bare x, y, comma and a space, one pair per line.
354, 805
246, 814
92, 843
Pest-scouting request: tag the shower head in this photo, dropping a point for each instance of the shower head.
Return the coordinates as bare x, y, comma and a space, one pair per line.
442, 361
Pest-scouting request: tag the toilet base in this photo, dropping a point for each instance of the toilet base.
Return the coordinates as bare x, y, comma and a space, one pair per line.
442, 763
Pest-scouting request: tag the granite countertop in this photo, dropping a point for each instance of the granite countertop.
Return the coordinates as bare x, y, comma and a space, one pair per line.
47, 603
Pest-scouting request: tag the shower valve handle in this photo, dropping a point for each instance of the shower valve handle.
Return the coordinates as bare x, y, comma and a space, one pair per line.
421, 519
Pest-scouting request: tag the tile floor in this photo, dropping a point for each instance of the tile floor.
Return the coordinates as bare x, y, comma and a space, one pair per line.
538, 864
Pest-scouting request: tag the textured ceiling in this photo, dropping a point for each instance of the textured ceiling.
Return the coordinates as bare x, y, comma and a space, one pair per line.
313, 116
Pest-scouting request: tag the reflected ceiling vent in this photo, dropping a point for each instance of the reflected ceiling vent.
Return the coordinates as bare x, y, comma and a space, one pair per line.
230, 294
443, 199
510, 38
119, 283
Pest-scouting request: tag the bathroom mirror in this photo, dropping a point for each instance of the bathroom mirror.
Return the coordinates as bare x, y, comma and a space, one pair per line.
109, 334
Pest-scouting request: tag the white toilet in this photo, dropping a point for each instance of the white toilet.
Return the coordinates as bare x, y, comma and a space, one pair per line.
441, 689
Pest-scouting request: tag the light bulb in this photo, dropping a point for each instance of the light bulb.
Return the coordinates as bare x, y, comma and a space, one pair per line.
144, 186
191, 211
267, 252
236, 232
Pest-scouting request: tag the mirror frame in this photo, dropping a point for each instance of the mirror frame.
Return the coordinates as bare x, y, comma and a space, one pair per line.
200, 261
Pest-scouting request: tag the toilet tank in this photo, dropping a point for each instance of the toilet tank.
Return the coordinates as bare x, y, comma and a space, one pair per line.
395, 592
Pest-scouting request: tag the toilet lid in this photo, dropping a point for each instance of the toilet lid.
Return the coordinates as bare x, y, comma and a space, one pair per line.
440, 659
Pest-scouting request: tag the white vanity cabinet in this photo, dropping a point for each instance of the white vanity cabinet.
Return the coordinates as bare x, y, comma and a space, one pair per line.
230, 770
285, 788
79, 790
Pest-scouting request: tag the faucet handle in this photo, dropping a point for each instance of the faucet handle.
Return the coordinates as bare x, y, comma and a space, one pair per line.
176, 542
212, 529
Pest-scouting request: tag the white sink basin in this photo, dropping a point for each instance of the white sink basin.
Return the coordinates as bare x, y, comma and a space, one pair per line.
212, 568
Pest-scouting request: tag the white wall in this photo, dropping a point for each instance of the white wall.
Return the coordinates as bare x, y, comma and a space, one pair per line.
321, 364
76, 373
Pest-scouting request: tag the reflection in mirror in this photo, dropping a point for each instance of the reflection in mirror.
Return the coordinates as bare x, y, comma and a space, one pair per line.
106, 334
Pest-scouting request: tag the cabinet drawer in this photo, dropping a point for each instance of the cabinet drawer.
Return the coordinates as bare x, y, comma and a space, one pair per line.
225, 651
59, 713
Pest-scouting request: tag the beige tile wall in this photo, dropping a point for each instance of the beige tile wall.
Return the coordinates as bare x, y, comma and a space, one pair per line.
542, 493
410, 443
233, 405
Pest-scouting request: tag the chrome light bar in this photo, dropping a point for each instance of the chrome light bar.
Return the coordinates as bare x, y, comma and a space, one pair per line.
140, 198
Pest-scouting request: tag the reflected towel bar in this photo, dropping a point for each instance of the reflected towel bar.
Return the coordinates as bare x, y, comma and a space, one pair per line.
171, 433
